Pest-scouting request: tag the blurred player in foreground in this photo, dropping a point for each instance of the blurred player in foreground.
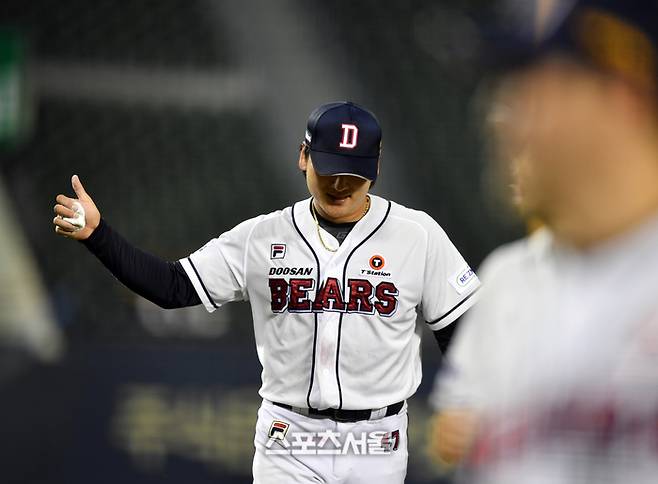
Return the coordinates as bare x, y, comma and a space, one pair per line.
553, 378
335, 283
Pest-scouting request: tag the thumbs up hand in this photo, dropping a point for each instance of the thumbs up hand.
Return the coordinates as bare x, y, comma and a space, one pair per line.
76, 218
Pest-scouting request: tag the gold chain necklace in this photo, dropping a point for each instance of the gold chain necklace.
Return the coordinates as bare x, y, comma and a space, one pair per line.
317, 224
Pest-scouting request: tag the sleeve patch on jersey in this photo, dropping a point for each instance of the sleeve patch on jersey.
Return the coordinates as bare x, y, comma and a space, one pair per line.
463, 279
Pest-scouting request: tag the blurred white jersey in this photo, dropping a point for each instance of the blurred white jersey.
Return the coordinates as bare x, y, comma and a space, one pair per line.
560, 356
337, 329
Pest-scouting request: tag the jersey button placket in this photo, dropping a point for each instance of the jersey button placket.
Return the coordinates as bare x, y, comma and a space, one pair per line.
327, 345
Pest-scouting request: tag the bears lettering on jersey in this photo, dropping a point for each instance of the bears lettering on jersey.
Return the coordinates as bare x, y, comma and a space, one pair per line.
360, 296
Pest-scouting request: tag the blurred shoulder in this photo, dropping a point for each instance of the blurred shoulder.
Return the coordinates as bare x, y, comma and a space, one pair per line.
517, 256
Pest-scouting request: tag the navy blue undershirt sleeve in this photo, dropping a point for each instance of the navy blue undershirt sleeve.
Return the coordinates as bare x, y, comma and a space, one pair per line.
444, 336
161, 282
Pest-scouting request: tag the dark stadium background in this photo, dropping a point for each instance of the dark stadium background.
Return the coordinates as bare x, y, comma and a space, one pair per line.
183, 118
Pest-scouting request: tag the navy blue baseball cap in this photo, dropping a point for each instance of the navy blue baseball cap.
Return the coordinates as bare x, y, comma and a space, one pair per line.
344, 139
616, 36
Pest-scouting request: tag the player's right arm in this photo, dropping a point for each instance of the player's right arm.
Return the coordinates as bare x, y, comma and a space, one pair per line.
462, 393
161, 282
459, 391
457, 395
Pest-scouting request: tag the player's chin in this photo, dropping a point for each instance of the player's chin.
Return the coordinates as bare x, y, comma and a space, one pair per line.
338, 201
337, 210
338, 207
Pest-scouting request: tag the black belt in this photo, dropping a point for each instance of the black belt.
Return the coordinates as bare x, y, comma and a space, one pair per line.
344, 415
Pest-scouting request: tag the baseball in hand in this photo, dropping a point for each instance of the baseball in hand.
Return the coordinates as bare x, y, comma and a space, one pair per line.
79, 220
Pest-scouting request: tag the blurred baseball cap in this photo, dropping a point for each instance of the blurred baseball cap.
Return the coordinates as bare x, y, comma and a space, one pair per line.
344, 139
616, 36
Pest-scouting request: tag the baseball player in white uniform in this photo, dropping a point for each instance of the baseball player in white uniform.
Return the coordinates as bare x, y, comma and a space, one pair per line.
335, 283
553, 378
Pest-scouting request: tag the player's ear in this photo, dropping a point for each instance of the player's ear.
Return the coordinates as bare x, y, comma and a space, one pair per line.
303, 158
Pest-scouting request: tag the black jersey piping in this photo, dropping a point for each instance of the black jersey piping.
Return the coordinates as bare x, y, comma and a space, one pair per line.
315, 315
455, 308
340, 321
202, 284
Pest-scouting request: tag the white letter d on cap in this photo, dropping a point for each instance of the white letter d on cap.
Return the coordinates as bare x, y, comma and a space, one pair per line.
350, 136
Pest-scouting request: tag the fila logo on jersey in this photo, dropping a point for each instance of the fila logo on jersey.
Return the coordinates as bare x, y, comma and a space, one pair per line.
278, 430
350, 136
360, 296
278, 251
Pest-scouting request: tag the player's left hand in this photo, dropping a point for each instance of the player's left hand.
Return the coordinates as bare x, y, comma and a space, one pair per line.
83, 209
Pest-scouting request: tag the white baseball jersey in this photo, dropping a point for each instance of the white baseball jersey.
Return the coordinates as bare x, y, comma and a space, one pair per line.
560, 357
337, 329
